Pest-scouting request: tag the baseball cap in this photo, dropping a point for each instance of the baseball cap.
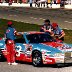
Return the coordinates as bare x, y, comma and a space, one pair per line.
9, 23
54, 25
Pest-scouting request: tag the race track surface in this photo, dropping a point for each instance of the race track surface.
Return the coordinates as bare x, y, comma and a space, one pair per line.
36, 16
4, 67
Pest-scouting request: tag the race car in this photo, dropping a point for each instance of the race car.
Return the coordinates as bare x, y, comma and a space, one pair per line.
39, 48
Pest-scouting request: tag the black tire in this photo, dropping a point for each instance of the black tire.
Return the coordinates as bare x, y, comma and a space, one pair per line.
0, 55
60, 65
37, 58
2, 58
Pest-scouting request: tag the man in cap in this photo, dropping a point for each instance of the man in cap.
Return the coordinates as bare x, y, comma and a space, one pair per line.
10, 37
58, 32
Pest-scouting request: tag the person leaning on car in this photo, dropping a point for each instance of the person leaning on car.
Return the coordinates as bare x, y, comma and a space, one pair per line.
58, 32
10, 46
47, 27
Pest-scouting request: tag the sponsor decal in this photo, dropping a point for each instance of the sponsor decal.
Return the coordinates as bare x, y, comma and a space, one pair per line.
28, 50
18, 50
1, 44
28, 54
49, 60
7, 31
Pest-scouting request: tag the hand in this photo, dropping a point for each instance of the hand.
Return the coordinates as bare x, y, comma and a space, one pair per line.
22, 33
59, 37
48, 31
44, 30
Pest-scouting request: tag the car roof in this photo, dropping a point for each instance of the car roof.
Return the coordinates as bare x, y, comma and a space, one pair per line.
33, 32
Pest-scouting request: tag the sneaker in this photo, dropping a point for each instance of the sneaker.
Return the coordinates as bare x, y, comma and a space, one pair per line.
9, 63
14, 63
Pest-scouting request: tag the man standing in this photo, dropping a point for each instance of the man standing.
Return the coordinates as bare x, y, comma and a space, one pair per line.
10, 45
54, 1
10, 2
30, 1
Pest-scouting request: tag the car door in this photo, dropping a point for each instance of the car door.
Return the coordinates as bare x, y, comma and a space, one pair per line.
23, 50
20, 47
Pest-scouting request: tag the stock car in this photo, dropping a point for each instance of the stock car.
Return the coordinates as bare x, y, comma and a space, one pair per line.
39, 48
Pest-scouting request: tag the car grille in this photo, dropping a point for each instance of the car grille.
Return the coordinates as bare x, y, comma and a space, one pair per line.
68, 57
68, 54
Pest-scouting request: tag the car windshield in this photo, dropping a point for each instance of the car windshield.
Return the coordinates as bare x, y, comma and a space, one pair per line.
39, 38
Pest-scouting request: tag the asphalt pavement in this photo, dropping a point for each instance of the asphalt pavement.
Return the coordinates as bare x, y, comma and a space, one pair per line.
4, 67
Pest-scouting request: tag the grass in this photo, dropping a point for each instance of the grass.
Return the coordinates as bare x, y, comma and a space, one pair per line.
20, 26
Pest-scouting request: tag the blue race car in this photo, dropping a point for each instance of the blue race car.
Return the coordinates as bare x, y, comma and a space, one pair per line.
39, 48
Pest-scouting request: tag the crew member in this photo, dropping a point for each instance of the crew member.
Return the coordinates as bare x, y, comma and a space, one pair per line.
47, 27
58, 32
10, 45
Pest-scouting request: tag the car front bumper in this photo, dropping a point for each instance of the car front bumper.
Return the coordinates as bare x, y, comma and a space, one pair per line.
66, 58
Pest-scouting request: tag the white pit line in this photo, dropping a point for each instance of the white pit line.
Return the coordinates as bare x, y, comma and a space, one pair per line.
67, 21
12, 15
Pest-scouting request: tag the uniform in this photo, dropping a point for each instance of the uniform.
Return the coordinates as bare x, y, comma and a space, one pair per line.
10, 33
10, 36
58, 32
47, 27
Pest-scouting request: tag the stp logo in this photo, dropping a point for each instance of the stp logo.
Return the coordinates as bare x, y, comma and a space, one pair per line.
8, 31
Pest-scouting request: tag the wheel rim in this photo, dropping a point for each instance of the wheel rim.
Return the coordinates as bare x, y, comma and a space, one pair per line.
36, 59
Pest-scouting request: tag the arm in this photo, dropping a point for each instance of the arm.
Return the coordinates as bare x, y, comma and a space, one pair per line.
62, 34
17, 33
42, 29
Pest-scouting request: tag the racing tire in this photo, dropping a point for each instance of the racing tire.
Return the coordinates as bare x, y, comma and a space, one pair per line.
60, 65
37, 58
0, 54
2, 58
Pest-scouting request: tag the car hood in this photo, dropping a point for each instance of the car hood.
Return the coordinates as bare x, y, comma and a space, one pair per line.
41, 47
53, 47
60, 46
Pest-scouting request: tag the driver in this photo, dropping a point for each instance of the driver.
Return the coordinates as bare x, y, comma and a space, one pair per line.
58, 32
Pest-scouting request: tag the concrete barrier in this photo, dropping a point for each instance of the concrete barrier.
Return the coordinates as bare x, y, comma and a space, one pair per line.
4, 4
28, 5
54, 6
68, 6
15, 5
